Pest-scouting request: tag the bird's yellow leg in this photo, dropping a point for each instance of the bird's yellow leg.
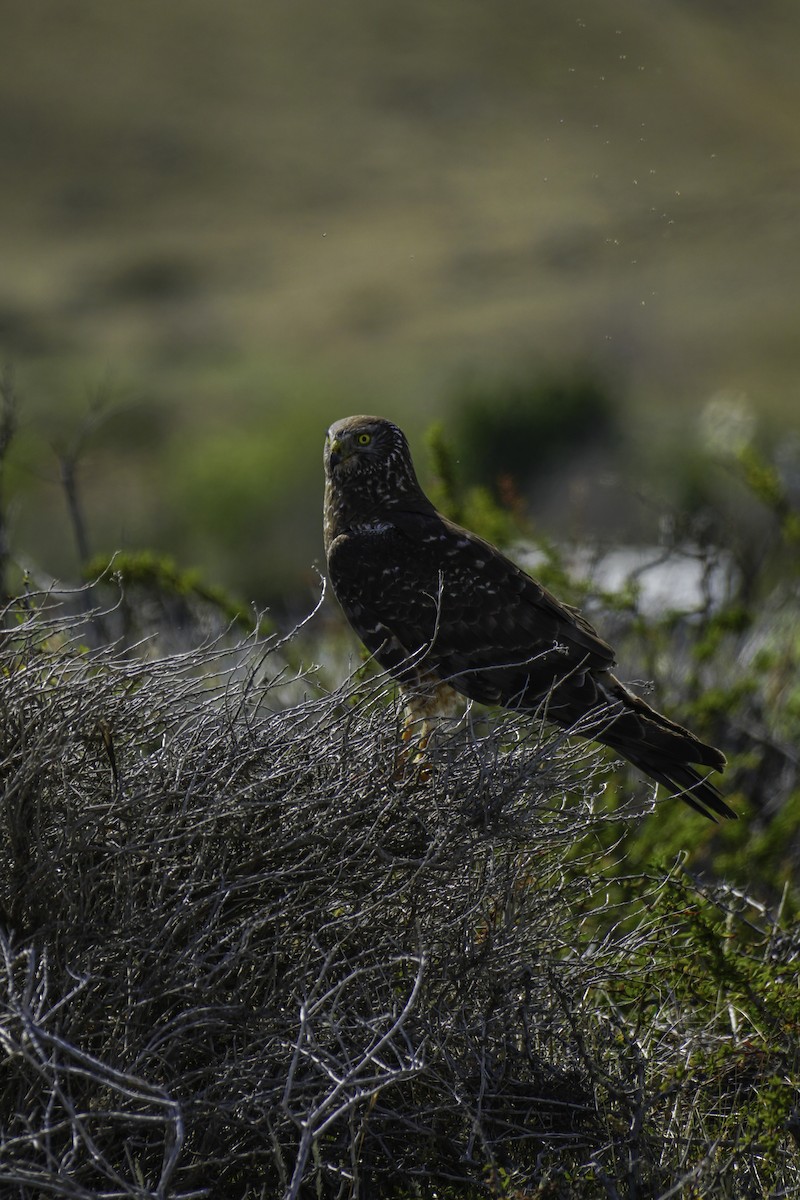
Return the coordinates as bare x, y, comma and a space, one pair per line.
423, 709
408, 753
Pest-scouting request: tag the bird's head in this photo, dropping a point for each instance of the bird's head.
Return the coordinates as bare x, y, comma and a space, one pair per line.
368, 470
370, 455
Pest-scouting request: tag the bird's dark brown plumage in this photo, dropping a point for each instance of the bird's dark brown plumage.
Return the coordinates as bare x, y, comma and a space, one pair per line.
436, 604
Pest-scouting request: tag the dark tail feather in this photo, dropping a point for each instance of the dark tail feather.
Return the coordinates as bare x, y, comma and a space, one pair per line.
685, 782
662, 749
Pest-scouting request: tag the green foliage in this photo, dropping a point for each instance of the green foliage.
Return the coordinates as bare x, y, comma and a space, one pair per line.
732, 619
242, 497
763, 480
160, 576
516, 428
472, 506
724, 965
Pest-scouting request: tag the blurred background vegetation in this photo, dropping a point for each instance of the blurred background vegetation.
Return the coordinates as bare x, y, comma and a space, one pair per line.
558, 243
562, 229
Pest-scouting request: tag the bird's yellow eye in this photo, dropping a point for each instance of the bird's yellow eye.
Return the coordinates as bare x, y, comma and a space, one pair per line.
364, 439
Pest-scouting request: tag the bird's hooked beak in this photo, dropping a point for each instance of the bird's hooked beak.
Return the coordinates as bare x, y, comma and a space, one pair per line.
335, 452
338, 451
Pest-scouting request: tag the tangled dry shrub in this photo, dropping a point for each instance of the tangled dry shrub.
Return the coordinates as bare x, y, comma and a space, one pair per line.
248, 952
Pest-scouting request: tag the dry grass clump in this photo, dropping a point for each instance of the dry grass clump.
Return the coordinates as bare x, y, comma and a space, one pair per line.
247, 952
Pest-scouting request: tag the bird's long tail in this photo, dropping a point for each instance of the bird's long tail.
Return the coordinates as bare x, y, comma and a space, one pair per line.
660, 748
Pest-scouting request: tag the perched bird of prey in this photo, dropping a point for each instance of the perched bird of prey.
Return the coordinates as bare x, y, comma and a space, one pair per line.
440, 609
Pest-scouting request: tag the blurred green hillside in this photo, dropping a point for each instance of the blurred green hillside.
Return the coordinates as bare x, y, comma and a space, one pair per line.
235, 223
